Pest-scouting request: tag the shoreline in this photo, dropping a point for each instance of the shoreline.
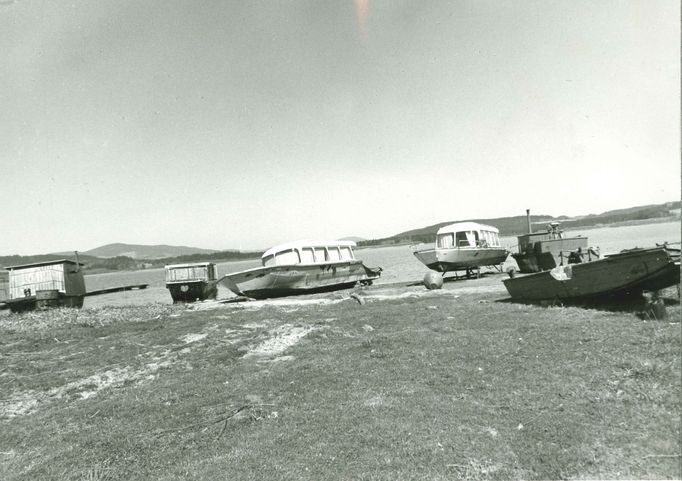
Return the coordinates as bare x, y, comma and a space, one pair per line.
537, 226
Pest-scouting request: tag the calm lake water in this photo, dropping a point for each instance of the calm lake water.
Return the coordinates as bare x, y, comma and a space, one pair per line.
397, 261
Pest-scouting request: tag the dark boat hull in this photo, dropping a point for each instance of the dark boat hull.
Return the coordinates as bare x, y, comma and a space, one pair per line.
44, 300
192, 291
285, 292
626, 274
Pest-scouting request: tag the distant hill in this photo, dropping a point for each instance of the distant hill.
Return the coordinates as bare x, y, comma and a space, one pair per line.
138, 251
353, 238
510, 226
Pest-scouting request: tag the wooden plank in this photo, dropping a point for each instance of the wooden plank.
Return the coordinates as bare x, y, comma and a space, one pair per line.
117, 289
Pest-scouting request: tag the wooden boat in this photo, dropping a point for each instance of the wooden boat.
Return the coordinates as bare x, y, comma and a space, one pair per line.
302, 267
191, 282
626, 274
462, 246
541, 251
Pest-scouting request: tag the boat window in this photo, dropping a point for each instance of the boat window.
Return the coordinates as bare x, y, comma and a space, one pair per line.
346, 253
445, 240
307, 256
333, 253
462, 239
320, 255
496, 239
287, 257
269, 261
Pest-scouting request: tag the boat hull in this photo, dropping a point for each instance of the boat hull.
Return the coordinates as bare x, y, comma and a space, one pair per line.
456, 259
44, 299
192, 291
626, 274
280, 281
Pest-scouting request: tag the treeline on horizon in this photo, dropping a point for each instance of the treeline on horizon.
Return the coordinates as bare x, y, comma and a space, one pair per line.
120, 263
511, 226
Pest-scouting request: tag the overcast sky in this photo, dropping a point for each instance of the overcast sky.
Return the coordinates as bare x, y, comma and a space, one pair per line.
227, 124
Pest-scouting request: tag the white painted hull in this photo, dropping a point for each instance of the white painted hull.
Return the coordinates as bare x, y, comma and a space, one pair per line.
279, 281
455, 259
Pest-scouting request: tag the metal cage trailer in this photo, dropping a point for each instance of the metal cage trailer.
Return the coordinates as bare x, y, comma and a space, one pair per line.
47, 284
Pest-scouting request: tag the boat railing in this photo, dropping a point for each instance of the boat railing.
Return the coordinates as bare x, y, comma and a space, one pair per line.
579, 255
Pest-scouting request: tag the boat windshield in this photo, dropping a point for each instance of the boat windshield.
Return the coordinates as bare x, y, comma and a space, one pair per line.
490, 239
307, 256
287, 257
445, 241
188, 273
320, 255
269, 261
333, 253
467, 238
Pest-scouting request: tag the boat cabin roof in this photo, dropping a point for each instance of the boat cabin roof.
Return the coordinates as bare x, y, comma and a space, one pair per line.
44, 263
300, 244
185, 266
466, 226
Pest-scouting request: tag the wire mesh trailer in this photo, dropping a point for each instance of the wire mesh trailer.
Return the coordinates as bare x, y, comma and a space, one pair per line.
57, 283
191, 282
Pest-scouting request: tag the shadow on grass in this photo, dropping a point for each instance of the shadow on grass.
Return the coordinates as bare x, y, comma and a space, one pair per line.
643, 307
464, 277
458, 278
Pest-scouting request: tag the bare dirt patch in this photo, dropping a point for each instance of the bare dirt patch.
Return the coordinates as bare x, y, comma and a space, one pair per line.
26, 402
283, 337
190, 338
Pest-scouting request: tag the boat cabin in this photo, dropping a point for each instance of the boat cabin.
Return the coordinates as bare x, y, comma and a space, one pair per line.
309, 252
4, 286
553, 240
467, 235
196, 272
64, 276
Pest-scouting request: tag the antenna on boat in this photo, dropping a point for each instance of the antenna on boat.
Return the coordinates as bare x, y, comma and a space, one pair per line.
530, 229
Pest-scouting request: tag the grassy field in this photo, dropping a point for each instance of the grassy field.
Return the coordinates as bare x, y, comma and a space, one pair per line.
403, 383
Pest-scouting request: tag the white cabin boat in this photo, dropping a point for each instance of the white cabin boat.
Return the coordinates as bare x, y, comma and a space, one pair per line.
462, 246
302, 267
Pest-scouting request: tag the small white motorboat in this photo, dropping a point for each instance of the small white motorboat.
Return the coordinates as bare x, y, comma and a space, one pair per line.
302, 267
462, 246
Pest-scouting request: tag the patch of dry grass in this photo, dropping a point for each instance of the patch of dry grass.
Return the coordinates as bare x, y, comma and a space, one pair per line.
447, 385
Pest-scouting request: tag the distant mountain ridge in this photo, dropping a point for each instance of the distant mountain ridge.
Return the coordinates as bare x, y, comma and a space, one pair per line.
139, 251
353, 238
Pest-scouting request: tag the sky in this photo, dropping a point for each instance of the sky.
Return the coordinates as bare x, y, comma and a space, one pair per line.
244, 124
